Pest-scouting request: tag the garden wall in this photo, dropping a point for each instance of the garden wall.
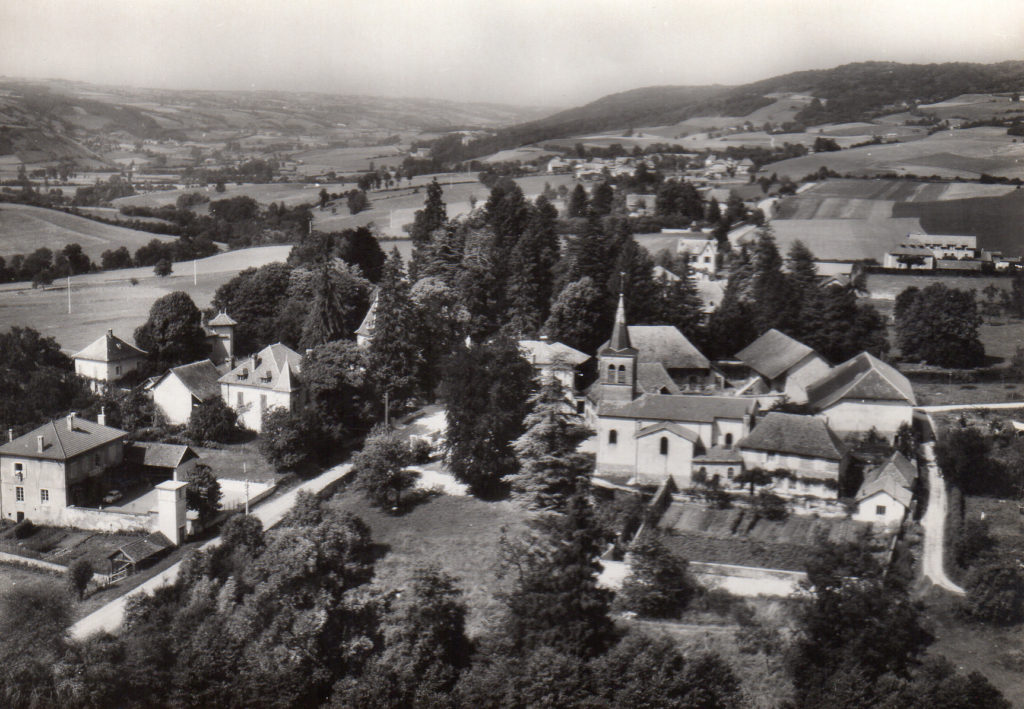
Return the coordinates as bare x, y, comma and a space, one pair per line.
104, 521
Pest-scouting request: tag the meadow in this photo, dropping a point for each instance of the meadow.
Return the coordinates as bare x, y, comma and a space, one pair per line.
23, 229
109, 300
348, 160
994, 220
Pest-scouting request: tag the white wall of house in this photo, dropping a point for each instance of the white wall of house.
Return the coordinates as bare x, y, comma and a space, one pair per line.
250, 403
173, 399
106, 371
616, 447
801, 466
850, 416
653, 466
562, 374
810, 369
880, 507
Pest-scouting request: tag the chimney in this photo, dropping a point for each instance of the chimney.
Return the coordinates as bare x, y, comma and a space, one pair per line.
110, 333
102, 418
10, 434
71, 421
39, 444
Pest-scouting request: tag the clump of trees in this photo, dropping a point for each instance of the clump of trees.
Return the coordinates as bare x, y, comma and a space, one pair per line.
939, 325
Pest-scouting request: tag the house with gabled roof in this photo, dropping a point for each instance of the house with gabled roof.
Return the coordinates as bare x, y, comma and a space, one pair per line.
160, 461
864, 394
263, 381
107, 359
58, 464
783, 365
183, 388
554, 360
887, 491
803, 447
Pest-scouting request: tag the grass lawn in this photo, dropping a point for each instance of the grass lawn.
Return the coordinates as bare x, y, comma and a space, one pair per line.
13, 575
935, 393
460, 534
239, 461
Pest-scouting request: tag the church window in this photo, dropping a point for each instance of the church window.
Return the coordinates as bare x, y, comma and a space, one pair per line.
728, 440
611, 373
622, 374
664, 446
613, 437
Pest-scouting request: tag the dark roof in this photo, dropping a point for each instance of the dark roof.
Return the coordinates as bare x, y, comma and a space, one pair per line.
158, 455
689, 408
665, 344
143, 547
109, 348
773, 353
620, 342
896, 476
719, 454
651, 378
795, 434
200, 378
863, 377
61, 442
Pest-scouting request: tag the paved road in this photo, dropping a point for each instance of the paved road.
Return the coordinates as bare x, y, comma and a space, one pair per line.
270, 512
958, 407
934, 523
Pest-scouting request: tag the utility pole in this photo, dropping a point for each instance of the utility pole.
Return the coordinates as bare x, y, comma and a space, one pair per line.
69, 293
195, 275
387, 405
246, 489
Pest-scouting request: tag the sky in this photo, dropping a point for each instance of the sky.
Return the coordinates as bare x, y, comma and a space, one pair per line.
549, 53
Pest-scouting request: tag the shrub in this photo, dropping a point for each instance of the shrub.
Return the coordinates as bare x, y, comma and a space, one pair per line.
79, 576
659, 584
24, 529
213, 420
420, 450
770, 506
995, 593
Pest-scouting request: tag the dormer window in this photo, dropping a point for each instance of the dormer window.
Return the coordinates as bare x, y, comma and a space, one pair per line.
244, 374
266, 377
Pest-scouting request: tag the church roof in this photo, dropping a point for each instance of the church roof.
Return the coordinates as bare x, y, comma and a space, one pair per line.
863, 377
773, 353
109, 348
685, 408
673, 428
620, 342
795, 434
665, 344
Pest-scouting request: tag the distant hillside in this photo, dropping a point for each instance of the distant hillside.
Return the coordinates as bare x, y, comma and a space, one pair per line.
851, 92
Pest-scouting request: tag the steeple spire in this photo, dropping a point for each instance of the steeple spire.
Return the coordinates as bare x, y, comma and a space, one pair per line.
620, 332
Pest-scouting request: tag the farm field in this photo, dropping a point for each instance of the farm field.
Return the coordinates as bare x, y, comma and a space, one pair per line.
23, 229
462, 535
842, 239
954, 153
737, 536
886, 286
994, 220
973, 107
108, 300
289, 193
348, 160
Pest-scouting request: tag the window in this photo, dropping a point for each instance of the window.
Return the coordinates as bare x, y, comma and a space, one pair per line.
19, 471
19, 494
622, 374
663, 447
611, 373
263, 403
117, 370
613, 437
96, 459
44, 496
581, 407
728, 440
880, 510
241, 400
729, 473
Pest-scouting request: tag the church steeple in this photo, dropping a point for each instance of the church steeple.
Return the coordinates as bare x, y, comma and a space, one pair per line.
618, 360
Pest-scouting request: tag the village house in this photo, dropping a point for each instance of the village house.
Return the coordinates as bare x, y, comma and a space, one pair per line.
701, 251
782, 366
263, 381
106, 360
947, 246
864, 394
553, 360
157, 462
364, 333
807, 457
910, 256
59, 464
887, 491
183, 388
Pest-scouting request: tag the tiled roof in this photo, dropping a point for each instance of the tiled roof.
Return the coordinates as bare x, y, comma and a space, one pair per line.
158, 455
144, 547
200, 378
542, 352
620, 342
680, 407
719, 454
863, 377
366, 327
61, 442
222, 320
773, 353
671, 428
794, 434
661, 273
652, 378
896, 476
665, 344
273, 367
109, 348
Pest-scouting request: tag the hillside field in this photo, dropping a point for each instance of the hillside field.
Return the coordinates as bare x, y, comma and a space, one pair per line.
108, 300
996, 221
23, 229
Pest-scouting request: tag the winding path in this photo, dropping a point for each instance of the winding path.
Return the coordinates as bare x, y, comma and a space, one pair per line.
934, 523
109, 617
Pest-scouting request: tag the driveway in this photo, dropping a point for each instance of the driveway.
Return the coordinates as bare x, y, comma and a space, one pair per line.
109, 617
934, 523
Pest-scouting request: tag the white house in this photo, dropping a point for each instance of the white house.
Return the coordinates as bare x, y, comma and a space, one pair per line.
554, 360
107, 359
183, 388
887, 491
947, 246
702, 252
910, 256
261, 382
784, 365
864, 394
804, 447
364, 333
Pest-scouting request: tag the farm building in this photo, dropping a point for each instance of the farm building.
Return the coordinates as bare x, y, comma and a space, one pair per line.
59, 464
183, 388
947, 246
106, 360
261, 382
864, 394
910, 256
802, 446
160, 461
887, 491
782, 365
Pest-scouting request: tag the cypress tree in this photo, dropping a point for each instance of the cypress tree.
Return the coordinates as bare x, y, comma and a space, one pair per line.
531, 272
395, 357
578, 203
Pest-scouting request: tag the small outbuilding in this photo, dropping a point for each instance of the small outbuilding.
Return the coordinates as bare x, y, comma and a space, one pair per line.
887, 491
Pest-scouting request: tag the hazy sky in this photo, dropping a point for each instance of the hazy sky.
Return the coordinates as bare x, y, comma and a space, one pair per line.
542, 52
